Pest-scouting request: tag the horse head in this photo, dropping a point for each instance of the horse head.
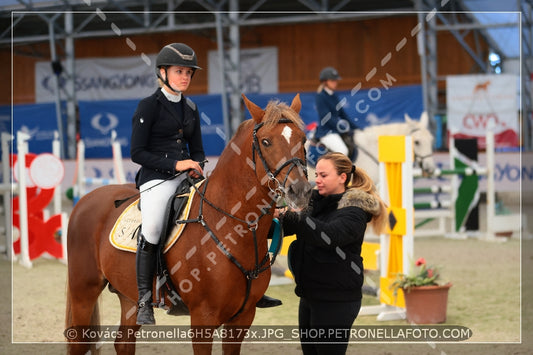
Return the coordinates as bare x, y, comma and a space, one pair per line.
278, 144
422, 143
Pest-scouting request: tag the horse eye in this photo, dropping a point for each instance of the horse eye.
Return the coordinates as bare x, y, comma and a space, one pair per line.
417, 142
266, 142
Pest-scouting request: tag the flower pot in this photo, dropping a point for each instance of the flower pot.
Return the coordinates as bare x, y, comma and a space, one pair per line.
426, 304
508, 234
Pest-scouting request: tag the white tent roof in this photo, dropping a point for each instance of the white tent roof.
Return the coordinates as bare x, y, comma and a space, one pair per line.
489, 12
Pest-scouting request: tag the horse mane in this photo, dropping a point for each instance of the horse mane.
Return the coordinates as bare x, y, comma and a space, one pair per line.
275, 111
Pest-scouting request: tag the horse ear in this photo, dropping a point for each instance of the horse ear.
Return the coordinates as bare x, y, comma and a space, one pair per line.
296, 104
407, 118
424, 119
256, 111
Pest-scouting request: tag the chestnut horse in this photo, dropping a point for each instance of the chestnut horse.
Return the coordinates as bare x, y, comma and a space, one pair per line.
223, 255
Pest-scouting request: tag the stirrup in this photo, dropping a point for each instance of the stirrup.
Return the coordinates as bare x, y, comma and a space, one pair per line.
267, 302
145, 314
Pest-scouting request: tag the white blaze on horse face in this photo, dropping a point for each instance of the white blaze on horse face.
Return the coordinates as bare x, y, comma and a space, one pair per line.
287, 133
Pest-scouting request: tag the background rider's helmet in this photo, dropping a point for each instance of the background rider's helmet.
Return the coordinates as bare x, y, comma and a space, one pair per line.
176, 54
329, 73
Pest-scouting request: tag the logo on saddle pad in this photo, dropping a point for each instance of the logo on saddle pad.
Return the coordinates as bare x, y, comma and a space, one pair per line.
123, 236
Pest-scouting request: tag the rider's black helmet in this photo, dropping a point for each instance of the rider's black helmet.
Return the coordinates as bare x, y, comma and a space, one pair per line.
329, 73
176, 54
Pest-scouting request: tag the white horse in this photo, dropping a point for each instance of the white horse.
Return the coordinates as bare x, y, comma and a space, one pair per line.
367, 145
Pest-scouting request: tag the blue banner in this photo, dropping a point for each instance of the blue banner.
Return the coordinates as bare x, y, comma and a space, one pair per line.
99, 118
366, 107
39, 121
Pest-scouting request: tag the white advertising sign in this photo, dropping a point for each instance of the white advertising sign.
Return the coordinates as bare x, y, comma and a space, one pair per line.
258, 74
477, 102
101, 79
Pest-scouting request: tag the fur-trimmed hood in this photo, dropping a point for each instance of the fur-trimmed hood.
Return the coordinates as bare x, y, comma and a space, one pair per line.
358, 198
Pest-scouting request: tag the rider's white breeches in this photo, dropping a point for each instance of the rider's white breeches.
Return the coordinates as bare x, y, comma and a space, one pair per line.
334, 142
154, 200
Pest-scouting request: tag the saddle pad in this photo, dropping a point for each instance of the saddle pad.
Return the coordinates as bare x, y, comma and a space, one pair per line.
123, 236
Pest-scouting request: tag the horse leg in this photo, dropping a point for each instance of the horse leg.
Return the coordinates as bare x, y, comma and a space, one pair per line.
203, 325
125, 340
236, 330
82, 313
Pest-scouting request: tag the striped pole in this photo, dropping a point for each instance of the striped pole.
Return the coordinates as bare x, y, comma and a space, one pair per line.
464, 170
435, 189
432, 204
56, 150
395, 155
22, 150
118, 168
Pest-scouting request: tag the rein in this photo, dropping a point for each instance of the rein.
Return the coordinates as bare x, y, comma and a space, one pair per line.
276, 193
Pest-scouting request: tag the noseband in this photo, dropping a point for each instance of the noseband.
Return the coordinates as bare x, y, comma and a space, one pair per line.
279, 188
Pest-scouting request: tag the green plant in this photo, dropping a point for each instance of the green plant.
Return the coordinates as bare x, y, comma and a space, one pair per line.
420, 274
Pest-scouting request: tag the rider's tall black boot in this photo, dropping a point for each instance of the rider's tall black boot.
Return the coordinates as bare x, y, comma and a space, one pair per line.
145, 265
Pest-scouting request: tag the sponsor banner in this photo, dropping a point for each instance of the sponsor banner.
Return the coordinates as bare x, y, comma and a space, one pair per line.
367, 107
101, 79
478, 102
98, 118
258, 72
39, 121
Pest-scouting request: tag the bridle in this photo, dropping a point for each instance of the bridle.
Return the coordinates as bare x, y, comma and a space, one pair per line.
295, 162
276, 192
419, 159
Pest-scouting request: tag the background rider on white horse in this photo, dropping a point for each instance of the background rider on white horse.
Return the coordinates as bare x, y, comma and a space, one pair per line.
335, 129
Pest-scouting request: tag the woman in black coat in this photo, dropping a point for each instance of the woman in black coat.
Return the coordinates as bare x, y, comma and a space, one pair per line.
326, 257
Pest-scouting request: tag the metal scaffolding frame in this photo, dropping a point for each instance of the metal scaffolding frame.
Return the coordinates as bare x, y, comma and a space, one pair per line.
40, 21
459, 22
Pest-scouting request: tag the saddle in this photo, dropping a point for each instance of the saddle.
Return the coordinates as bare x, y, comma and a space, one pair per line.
125, 235
125, 232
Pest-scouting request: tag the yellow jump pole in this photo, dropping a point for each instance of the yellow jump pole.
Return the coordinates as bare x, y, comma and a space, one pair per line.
395, 155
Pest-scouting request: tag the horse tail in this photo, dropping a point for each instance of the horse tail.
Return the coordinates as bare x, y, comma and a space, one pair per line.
95, 321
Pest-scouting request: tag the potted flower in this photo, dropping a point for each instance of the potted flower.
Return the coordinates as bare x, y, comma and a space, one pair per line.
426, 297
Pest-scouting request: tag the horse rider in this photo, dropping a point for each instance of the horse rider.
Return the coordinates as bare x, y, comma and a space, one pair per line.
335, 129
166, 139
